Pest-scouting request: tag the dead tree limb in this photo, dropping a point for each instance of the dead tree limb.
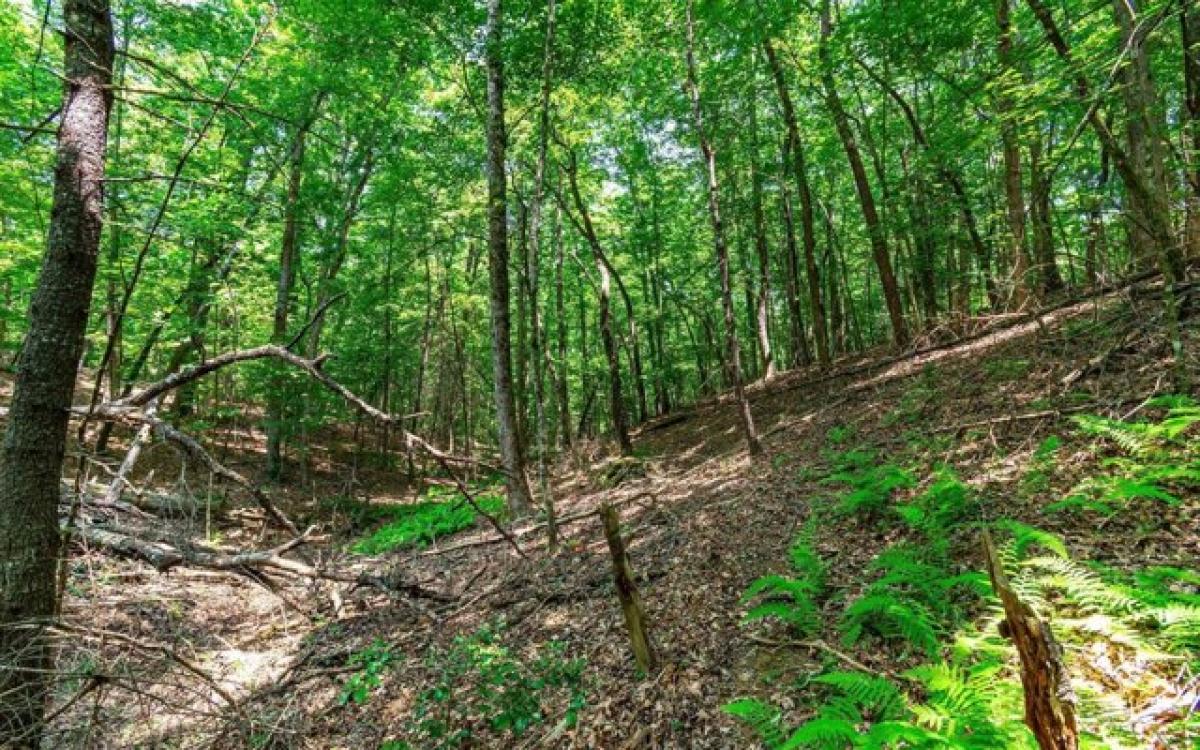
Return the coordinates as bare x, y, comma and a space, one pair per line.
1049, 699
631, 600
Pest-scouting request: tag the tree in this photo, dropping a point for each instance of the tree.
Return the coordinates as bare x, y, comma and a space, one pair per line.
35, 438
733, 352
511, 451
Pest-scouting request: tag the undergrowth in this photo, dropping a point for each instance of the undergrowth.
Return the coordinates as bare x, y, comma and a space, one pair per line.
418, 525
1132, 637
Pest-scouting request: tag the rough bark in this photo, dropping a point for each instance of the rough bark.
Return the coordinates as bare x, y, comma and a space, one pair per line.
862, 185
762, 300
35, 437
511, 451
732, 348
627, 592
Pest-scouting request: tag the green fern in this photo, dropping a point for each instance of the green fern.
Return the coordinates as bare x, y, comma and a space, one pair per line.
765, 720
791, 599
869, 486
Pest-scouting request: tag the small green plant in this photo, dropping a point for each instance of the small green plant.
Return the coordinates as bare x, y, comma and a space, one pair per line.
1036, 479
934, 512
1158, 459
913, 600
481, 687
1006, 369
839, 435
372, 663
869, 485
791, 599
419, 524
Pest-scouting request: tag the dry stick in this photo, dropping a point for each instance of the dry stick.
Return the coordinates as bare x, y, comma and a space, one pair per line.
536, 527
819, 645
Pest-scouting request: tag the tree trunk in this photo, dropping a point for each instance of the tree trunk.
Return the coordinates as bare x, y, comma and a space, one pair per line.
560, 315
1013, 192
1143, 134
733, 350
620, 415
807, 221
762, 317
1049, 279
1189, 18
288, 262
862, 186
35, 437
801, 356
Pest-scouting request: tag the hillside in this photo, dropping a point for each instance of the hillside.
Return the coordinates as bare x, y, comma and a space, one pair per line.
703, 521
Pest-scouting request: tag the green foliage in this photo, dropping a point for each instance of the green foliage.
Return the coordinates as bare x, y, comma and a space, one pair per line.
869, 486
945, 503
791, 599
1004, 369
481, 687
419, 524
1036, 479
1158, 458
372, 662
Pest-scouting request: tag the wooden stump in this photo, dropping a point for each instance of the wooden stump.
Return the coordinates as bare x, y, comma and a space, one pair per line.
1049, 699
631, 601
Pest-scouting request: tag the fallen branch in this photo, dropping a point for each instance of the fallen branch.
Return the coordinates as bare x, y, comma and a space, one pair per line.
164, 557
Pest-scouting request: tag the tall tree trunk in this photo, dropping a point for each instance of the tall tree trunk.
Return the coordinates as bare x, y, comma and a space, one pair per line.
762, 317
1189, 18
801, 356
1096, 241
35, 437
1013, 191
807, 220
533, 270
560, 317
1143, 134
288, 263
511, 451
1049, 279
733, 350
620, 415
862, 185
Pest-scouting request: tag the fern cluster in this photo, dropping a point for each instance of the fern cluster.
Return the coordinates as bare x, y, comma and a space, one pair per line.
792, 599
869, 485
913, 600
1158, 458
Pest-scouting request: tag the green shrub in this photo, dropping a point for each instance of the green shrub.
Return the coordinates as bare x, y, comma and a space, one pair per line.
791, 599
419, 524
372, 662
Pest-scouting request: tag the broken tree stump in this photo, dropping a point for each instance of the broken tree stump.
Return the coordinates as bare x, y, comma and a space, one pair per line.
631, 601
1049, 699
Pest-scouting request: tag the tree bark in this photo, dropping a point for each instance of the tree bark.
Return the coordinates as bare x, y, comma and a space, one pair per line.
35, 437
1049, 279
762, 317
1189, 18
733, 350
862, 185
620, 415
511, 451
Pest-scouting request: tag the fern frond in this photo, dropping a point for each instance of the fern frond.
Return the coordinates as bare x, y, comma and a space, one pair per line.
877, 696
764, 719
1024, 537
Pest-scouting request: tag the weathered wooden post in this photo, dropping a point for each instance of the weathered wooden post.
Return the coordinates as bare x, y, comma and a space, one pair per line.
631, 601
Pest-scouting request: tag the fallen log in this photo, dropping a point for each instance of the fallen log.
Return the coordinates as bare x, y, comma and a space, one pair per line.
163, 557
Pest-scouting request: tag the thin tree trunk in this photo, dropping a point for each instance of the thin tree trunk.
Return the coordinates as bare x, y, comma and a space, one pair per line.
1013, 192
511, 451
1189, 18
807, 221
1049, 279
35, 436
733, 350
288, 262
762, 253
801, 356
560, 315
862, 186
620, 416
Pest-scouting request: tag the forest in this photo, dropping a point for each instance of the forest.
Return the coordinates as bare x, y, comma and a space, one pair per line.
623, 374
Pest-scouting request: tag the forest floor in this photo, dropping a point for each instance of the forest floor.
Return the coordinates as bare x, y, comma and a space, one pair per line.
300, 664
